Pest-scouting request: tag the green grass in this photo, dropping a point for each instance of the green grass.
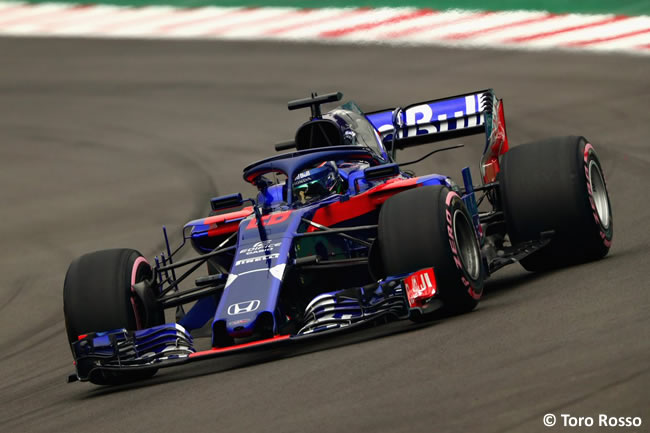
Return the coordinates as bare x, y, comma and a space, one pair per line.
627, 7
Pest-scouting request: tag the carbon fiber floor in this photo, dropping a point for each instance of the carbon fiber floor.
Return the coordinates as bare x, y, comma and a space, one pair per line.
102, 142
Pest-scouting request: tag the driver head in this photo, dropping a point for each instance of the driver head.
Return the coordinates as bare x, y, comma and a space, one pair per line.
316, 183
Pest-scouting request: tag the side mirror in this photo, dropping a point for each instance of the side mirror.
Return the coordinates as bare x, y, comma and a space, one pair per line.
226, 201
381, 171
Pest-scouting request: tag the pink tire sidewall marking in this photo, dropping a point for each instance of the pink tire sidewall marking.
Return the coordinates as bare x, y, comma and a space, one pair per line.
134, 273
454, 250
603, 234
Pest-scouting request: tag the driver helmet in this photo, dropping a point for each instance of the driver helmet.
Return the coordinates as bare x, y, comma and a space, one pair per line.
318, 182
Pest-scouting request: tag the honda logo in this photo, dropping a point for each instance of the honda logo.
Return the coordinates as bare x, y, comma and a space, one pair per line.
243, 307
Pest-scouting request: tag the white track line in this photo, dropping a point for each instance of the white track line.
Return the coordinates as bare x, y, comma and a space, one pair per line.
397, 26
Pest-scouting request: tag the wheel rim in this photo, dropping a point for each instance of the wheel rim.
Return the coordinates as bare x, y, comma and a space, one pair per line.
467, 245
599, 193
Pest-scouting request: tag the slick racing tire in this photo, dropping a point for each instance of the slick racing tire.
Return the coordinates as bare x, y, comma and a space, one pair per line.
430, 227
556, 184
97, 296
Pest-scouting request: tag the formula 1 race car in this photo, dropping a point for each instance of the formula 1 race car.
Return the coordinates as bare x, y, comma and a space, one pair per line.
340, 236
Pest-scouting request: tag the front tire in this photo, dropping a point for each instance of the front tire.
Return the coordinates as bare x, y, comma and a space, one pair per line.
97, 296
430, 226
557, 184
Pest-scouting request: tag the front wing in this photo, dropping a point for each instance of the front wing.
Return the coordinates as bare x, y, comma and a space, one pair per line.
170, 344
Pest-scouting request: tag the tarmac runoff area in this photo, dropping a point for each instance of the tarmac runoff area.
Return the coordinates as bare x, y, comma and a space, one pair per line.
103, 141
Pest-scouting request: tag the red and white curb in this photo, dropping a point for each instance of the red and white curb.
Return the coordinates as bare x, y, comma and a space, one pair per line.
396, 26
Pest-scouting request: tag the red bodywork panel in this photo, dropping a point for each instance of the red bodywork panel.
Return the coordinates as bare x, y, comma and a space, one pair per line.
499, 146
360, 204
226, 223
237, 347
332, 214
420, 287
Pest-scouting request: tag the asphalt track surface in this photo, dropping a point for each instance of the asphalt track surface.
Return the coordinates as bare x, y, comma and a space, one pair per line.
102, 142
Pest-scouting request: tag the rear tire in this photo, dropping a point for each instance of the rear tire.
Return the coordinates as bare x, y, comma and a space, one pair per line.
557, 184
427, 227
97, 296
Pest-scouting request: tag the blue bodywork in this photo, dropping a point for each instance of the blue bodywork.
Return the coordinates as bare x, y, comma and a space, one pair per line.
432, 117
257, 272
265, 242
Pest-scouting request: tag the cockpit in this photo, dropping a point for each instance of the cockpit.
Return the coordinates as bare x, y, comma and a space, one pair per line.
345, 125
333, 149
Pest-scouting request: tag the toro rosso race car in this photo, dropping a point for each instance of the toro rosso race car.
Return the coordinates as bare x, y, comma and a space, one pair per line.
340, 236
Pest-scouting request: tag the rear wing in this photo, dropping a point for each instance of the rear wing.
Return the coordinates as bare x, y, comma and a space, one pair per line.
444, 119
